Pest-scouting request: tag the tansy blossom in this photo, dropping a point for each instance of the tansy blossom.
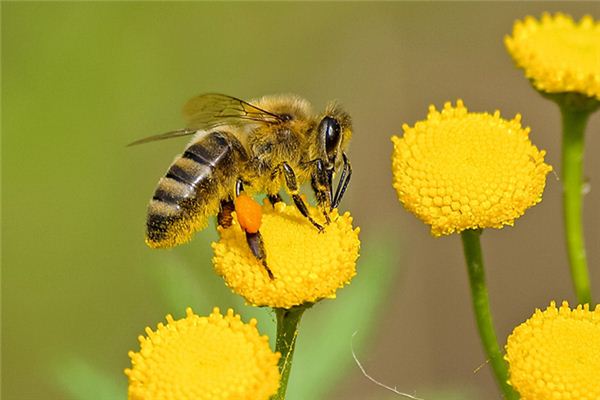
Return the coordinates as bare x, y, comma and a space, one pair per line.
557, 54
307, 265
555, 354
203, 358
458, 170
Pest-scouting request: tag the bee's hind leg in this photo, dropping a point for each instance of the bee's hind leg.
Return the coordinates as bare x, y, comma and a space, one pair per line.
254, 238
257, 246
224, 217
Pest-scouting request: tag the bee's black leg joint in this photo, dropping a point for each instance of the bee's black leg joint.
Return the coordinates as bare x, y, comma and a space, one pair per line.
224, 217
274, 198
257, 246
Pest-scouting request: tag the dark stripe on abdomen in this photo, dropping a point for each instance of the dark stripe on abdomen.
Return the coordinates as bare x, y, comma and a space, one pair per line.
199, 153
180, 175
192, 156
166, 197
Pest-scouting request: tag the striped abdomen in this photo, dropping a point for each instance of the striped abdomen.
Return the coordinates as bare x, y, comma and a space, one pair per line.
191, 190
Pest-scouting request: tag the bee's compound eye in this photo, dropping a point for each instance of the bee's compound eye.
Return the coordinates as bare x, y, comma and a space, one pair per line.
330, 129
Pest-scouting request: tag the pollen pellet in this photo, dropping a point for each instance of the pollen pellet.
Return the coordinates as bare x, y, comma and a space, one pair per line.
249, 213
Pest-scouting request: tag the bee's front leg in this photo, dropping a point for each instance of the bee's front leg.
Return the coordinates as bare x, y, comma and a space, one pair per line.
344, 181
320, 181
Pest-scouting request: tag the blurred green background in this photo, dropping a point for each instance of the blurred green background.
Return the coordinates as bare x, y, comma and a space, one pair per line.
81, 80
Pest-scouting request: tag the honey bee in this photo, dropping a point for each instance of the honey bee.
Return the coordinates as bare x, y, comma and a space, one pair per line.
243, 148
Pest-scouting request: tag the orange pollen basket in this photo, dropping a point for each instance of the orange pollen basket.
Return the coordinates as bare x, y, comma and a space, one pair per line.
249, 213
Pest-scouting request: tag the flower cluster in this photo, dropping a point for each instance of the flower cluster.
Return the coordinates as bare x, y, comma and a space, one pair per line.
555, 354
558, 54
216, 357
458, 170
307, 265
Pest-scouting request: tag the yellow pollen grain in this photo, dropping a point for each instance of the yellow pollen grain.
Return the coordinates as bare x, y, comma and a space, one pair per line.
458, 170
307, 265
557, 54
200, 358
555, 354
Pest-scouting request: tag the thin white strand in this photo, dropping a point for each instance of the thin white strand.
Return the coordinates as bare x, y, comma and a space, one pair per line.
383, 385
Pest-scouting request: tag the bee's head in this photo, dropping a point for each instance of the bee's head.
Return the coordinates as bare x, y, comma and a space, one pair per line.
333, 132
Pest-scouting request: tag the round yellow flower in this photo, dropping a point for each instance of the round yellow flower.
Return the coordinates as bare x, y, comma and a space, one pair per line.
459, 170
555, 354
307, 265
203, 358
557, 54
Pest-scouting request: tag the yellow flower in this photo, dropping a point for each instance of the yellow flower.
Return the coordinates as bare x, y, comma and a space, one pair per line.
307, 265
196, 358
557, 54
555, 354
459, 170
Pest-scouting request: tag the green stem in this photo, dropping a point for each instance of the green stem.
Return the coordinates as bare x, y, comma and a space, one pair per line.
481, 306
573, 124
287, 332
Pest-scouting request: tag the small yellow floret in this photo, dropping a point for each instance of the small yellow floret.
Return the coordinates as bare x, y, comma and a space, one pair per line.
307, 265
555, 354
203, 358
557, 54
459, 170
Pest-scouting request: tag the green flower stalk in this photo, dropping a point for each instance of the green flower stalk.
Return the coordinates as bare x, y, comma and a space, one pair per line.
481, 308
285, 344
575, 111
561, 58
461, 172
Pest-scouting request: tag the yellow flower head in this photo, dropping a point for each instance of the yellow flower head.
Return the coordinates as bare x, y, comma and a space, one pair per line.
307, 265
459, 170
557, 54
216, 357
555, 354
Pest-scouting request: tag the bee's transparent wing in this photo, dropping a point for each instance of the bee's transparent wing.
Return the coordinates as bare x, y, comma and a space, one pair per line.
213, 109
210, 110
166, 135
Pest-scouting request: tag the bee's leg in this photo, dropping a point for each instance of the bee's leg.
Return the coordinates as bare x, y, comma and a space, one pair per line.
254, 239
344, 181
257, 246
224, 217
292, 185
321, 183
274, 198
